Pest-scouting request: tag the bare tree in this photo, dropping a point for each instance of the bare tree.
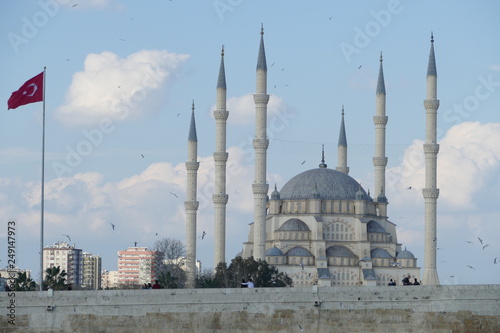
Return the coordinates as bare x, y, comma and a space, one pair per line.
173, 262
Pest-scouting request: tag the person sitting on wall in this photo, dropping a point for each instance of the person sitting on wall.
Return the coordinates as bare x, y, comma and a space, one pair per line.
406, 281
249, 284
416, 283
244, 283
156, 285
391, 283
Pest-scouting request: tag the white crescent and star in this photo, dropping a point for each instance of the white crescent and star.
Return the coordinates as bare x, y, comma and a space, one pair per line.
35, 88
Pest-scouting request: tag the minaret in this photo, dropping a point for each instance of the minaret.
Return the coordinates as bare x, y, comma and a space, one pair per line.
260, 144
342, 148
380, 160
191, 204
431, 192
220, 158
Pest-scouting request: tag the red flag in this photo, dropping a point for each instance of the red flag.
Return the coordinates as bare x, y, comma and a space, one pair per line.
30, 92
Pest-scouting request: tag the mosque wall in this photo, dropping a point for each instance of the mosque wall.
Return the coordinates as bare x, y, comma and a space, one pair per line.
466, 308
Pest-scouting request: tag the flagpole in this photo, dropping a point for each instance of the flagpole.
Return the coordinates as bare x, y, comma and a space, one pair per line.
43, 183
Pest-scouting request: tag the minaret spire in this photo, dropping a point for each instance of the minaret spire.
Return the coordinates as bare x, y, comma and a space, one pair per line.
431, 192
220, 197
260, 144
323, 165
191, 204
342, 148
380, 160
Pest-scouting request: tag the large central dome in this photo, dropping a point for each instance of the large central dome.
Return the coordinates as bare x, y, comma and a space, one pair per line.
322, 183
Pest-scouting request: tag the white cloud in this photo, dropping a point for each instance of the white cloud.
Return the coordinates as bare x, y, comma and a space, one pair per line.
468, 159
119, 89
242, 109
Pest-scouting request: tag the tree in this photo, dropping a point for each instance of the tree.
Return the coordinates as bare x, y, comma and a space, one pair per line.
262, 274
55, 278
171, 270
24, 283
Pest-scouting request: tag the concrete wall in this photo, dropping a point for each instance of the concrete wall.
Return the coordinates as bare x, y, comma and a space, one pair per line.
468, 308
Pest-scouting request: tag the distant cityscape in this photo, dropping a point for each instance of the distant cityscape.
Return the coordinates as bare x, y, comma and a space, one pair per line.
137, 266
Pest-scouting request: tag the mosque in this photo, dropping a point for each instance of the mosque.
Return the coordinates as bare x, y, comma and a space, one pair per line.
321, 228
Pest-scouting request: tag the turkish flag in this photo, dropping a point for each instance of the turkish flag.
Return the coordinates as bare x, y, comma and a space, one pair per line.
30, 92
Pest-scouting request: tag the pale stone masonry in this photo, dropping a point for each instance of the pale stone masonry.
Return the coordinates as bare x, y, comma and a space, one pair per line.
466, 308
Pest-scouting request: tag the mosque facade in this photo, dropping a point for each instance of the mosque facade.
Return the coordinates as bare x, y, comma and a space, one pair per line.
322, 227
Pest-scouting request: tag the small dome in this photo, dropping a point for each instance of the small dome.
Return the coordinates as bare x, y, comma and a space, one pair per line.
274, 251
405, 255
380, 253
299, 252
294, 225
374, 226
382, 198
275, 195
339, 251
360, 195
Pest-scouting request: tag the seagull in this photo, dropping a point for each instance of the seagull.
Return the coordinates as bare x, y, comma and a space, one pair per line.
486, 246
203, 234
142, 155
156, 234
471, 267
360, 66
175, 195
301, 329
495, 260
303, 162
67, 236
282, 69
330, 18
112, 226
438, 248
75, 5
408, 188
178, 114
469, 242
480, 240
121, 39
272, 64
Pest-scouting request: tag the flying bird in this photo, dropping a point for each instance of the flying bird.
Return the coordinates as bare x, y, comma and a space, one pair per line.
67, 236
408, 188
495, 260
203, 234
178, 114
272, 64
303, 162
282, 69
156, 234
75, 5
142, 155
469, 242
480, 240
112, 226
486, 246
360, 66
330, 18
471, 267
121, 39
175, 195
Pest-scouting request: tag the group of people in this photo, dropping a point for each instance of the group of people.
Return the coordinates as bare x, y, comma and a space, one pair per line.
156, 285
406, 282
248, 284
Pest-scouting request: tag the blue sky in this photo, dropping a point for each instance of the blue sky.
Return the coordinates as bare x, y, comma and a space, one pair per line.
121, 77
